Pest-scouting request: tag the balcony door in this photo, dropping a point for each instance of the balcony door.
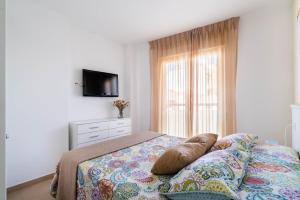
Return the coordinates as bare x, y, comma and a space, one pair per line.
190, 93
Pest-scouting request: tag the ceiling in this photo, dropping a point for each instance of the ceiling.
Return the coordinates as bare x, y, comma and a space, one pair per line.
133, 21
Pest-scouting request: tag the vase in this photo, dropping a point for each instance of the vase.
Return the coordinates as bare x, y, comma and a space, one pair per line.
120, 113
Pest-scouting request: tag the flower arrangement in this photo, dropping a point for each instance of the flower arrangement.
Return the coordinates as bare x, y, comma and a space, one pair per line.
121, 104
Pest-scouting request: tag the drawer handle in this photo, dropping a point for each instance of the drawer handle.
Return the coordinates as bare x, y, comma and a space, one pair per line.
120, 131
120, 123
95, 136
94, 127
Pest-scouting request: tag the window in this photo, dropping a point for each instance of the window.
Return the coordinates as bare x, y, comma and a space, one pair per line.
206, 92
196, 88
175, 82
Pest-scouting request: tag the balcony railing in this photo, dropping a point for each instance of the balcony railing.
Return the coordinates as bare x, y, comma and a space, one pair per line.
206, 116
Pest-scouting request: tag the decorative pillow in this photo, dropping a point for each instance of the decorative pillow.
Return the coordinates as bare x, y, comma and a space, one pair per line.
208, 139
177, 157
243, 141
217, 175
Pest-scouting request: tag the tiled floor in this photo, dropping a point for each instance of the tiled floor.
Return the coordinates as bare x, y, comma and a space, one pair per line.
38, 191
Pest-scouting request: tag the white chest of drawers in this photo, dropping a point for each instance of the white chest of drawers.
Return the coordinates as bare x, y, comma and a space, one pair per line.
84, 133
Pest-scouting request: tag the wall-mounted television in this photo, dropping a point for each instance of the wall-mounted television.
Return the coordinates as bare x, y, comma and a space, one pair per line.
99, 84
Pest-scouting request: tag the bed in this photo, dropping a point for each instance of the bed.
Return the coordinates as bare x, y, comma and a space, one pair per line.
271, 172
127, 169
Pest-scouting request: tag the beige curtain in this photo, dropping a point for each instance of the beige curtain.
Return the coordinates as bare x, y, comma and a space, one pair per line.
193, 77
167, 52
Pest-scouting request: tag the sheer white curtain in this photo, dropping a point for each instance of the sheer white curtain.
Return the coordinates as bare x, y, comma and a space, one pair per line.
175, 90
178, 77
205, 94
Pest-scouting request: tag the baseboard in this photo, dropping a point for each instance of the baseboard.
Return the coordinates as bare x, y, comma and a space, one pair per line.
29, 183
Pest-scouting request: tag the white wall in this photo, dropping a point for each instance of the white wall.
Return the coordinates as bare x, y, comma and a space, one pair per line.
44, 57
138, 72
264, 76
37, 118
2, 100
297, 50
91, 51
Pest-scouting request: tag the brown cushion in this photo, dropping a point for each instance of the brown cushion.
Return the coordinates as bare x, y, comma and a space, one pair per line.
208, 139
221, 144
177, 157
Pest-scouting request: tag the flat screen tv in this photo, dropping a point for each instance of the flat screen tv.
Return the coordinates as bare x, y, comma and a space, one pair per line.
99, 84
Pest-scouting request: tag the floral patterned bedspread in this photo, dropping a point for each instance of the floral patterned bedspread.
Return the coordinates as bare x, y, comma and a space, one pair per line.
124, 174
273, 174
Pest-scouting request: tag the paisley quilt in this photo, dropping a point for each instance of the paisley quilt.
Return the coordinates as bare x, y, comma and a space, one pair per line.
272, 173
124, 174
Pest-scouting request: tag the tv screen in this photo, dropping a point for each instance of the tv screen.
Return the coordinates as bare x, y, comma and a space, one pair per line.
99, 84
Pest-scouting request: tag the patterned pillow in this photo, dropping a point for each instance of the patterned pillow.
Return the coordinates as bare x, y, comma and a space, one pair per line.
217, 175
242, 141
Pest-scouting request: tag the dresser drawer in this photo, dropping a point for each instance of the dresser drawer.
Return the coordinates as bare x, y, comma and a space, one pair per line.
88, 143
88, 137
92, 127
119, 131
120, 123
